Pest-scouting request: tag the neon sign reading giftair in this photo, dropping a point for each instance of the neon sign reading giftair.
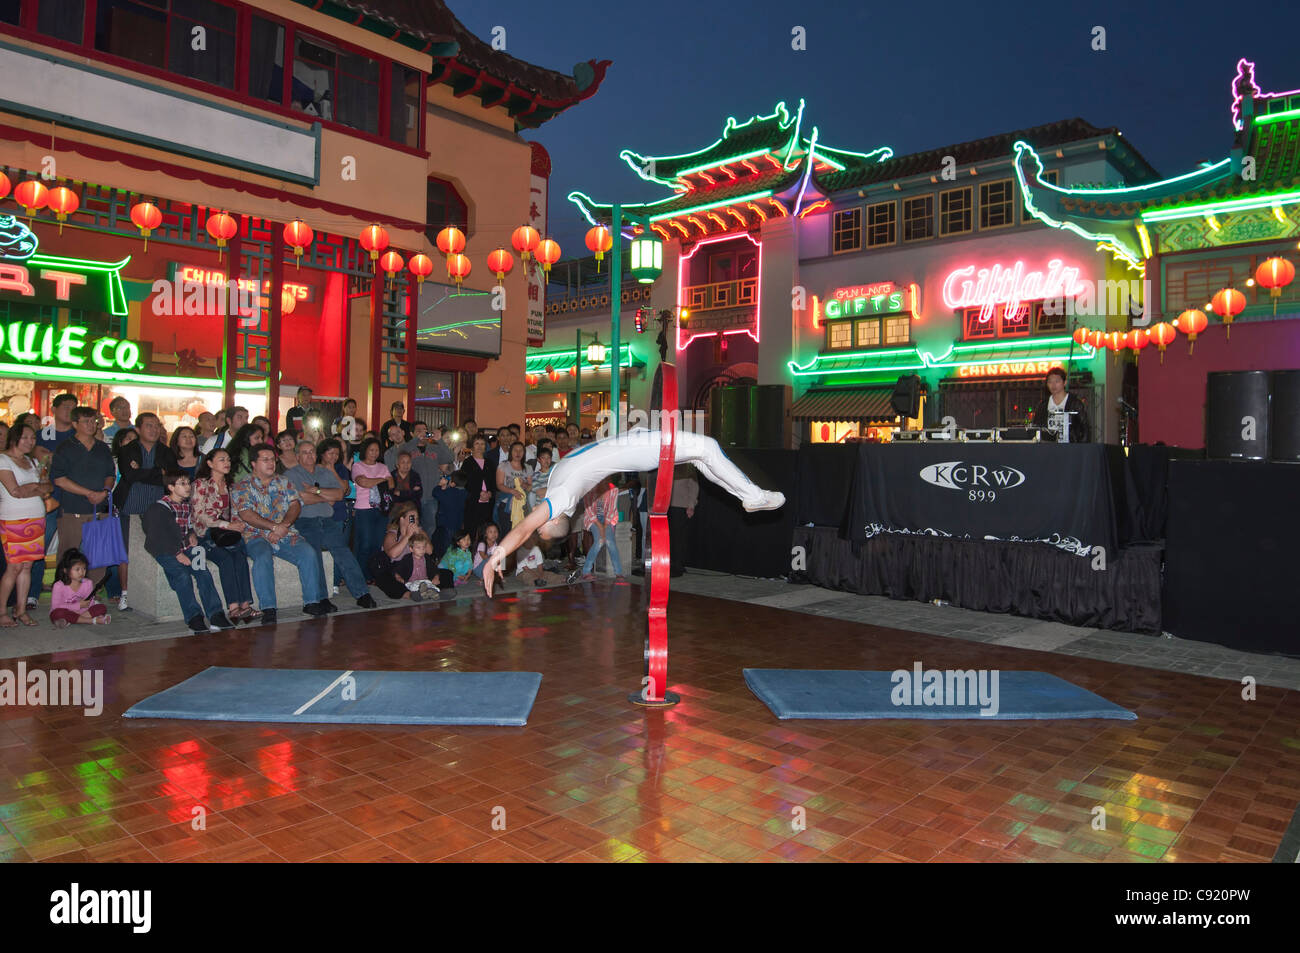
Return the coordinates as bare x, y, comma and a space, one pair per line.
999, 285
29, 342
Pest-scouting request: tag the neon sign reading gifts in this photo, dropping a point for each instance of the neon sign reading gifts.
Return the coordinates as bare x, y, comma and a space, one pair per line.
989, 288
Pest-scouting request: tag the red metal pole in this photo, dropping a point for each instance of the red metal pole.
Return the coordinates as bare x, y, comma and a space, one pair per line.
277, 319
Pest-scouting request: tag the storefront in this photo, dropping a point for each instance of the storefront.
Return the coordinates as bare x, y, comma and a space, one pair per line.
572, 386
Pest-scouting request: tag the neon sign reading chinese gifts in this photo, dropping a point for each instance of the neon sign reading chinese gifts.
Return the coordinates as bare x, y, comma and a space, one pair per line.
989, 288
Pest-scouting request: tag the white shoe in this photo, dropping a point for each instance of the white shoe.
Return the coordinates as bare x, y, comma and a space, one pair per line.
771, 500
121, 604
412, 587
336, 590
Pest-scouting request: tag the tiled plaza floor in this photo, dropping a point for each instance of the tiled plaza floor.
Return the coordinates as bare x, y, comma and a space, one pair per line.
1202, 775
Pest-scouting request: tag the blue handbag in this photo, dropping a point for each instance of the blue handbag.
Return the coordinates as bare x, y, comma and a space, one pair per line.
101, 541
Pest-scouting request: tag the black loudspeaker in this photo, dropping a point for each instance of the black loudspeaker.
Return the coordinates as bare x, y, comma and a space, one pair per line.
906, 401
729, 415
769, 416
1237, 415
1285, 426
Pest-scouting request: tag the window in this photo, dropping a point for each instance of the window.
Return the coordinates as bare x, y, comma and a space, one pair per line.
61, 19
846, 231
335, 85
11, 11
997, 208
898, 330
163, 34
266, 61
918, 218
1028, 318
955, 211
882, 224
404, 106
443, 207
976, 329
868, 333
1044, 322
840, 334
1016, 323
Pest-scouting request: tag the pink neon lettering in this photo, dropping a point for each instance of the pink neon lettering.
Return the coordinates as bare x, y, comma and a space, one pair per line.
14, 278
63, 281
1008, 287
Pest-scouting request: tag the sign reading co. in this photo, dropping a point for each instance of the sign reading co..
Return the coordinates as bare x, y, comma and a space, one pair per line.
31, 343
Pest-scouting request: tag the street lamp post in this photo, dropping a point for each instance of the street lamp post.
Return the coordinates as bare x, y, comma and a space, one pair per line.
647, 265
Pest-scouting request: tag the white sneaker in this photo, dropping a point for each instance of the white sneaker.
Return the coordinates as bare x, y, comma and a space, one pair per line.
121, 604
336, 590
771, 500
32, 603
412, 587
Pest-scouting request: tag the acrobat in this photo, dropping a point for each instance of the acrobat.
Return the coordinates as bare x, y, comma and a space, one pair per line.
632, 452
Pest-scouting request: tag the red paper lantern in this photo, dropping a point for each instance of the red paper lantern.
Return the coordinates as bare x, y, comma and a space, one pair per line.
1227, 303
145, 216
31, 196
298, 235
421, 266
451, 241
1138, 339
826, 433
548, 253
1163, 334
63, 201
222, 227
1275, 274
391, 263
525, 240
1081, 336
500, 262
5, 185
1096, 339
599, 240
1114, 340
458, 267
374, 239
1191, 322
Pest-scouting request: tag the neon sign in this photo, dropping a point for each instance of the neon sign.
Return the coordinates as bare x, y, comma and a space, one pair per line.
999, 285
58, 282
1006, 369
192, 274
881, 297
863, 291
29, 342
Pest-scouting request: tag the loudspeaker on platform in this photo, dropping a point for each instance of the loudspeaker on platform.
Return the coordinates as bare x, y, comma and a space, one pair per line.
769, 416
1237, 415
906, 400
729, 416
1285, 426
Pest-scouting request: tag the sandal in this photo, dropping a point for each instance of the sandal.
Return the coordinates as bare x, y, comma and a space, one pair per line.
7, 621
25, 619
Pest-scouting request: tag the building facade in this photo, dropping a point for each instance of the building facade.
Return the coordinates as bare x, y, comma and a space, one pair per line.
163, 160
833, 272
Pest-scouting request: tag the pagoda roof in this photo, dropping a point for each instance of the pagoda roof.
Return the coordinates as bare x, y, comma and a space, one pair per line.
531, 94
991, 148
755, 170
1267, 135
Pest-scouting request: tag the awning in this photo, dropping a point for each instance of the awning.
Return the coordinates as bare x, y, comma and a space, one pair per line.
536, 362
892, 361
845, 403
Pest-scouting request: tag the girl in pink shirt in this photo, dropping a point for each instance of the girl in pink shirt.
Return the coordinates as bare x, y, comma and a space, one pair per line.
72, 599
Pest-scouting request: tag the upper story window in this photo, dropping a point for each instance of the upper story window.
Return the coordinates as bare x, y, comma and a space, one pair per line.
918, 218
334, 84
997, 207
1029, 317
955, 211
889, 329
846, 230
882, 224
443, 207
404, 106
61, 19
165, 33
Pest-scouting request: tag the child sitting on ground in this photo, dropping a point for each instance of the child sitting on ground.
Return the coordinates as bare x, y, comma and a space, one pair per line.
456, 563
489, 534
73, 598
412, 570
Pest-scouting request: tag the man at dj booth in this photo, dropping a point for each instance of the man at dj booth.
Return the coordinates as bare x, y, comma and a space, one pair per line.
1060, 410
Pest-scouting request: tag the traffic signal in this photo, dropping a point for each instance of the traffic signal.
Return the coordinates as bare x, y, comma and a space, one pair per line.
641, 319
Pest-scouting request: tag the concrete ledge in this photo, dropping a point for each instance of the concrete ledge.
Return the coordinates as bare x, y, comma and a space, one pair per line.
150, 593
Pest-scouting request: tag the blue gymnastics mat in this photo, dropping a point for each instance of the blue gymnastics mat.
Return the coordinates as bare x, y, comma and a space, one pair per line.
849, 695
312, 696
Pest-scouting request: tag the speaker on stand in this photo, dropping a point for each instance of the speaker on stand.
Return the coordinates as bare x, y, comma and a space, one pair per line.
1284, 429
729, 416
769, 416
1237, 415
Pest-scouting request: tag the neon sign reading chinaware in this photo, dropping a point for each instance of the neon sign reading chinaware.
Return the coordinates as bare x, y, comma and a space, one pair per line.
29, 342
988, 288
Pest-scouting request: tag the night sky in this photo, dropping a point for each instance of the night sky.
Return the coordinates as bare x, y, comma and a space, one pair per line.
911, 76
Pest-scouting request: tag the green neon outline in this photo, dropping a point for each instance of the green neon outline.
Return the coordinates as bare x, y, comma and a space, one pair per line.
624, 351
803, 372
1277, 117
714, 165
767, 193
1123, 189
85, 374
1216, 208
1067, 358
116, 293
1110, 241
460, 324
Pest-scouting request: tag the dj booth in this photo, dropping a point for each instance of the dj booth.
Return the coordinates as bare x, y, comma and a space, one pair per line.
1063, 532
